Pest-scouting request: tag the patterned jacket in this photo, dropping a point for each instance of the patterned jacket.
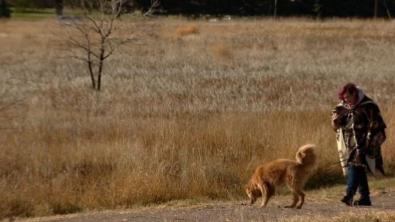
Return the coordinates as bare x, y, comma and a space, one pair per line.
363, 128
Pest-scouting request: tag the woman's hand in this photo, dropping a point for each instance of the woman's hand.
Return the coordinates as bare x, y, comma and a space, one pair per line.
335, 121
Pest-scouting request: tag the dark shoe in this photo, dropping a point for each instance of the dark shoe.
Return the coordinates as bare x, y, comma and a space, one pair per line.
362, 202
347, 200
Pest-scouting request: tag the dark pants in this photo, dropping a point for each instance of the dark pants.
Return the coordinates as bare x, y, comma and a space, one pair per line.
357, 179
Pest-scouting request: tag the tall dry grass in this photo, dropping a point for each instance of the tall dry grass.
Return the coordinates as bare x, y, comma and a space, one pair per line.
178, 118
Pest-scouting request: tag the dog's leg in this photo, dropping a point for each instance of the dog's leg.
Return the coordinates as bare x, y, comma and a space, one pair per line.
295, 200
263, 187
270, 191
292, 184
301, 195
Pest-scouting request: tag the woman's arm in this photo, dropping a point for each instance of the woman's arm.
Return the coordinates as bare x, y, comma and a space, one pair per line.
376, 123
336, 119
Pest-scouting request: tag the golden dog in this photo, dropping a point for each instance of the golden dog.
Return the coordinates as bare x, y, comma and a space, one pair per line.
283, 171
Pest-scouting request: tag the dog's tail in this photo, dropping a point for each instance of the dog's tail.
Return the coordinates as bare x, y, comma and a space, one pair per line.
307, 157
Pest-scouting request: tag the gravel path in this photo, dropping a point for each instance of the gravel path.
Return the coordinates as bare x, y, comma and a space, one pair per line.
229, 211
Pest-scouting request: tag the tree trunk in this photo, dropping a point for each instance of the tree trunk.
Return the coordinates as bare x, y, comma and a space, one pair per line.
101, 63
5, 11
133, 4
91, 73
59, 7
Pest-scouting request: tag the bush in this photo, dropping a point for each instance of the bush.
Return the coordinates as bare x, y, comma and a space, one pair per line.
27, 5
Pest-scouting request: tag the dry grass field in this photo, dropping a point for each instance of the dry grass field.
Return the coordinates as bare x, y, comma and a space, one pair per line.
189, 112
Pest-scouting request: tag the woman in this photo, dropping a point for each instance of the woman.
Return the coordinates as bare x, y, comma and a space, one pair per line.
362, 126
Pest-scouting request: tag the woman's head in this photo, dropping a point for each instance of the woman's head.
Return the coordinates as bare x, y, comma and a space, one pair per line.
349, 93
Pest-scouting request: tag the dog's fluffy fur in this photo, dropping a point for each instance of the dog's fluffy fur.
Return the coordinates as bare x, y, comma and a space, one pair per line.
283, 171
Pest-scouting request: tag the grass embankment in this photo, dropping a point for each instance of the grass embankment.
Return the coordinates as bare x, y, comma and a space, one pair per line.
32, 14
182, 116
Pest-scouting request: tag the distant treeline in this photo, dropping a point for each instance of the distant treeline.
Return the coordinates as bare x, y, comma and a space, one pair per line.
315, 8
320, 8
198, 8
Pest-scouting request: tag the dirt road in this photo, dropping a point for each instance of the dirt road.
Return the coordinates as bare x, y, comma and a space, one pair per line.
230, 211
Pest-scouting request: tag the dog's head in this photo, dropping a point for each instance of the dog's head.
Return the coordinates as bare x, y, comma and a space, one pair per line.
253, 192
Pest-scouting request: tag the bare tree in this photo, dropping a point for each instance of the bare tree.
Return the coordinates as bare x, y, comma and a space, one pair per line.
97, 36
155, 8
